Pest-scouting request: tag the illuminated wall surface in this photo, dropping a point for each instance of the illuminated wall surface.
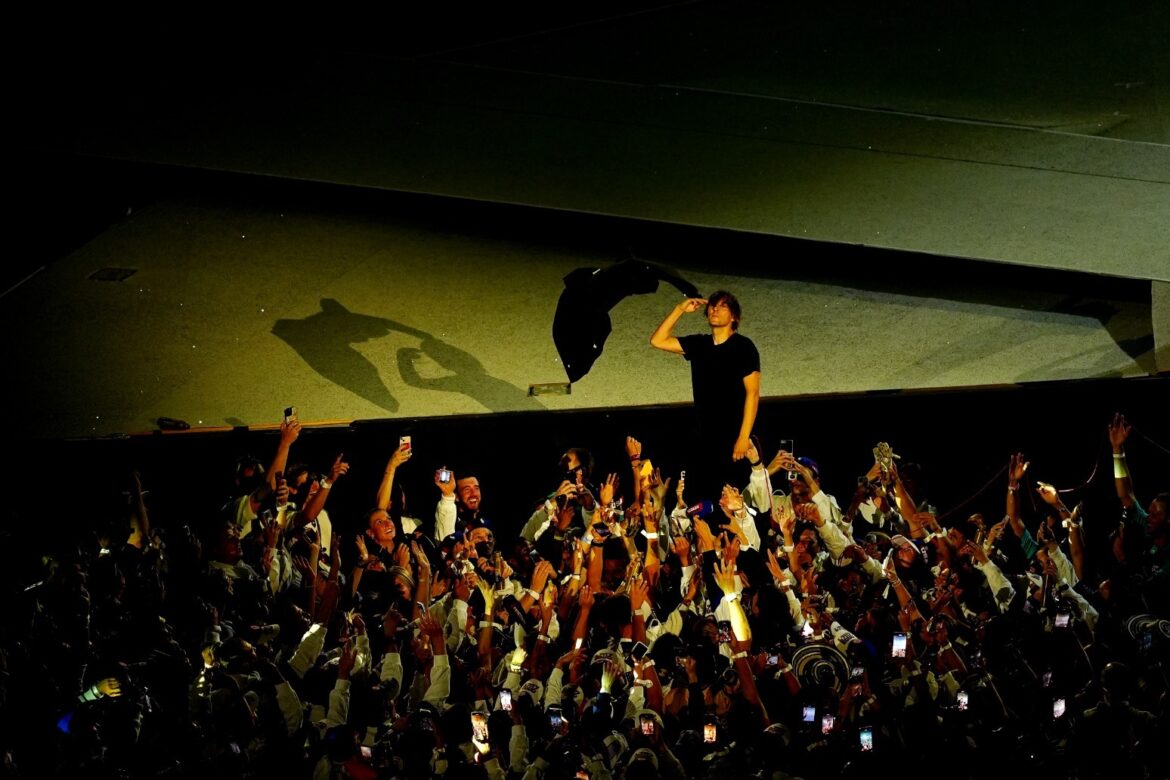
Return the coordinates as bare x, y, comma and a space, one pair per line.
371, 218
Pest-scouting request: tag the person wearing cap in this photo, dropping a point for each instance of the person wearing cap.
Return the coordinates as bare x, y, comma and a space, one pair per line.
725, 380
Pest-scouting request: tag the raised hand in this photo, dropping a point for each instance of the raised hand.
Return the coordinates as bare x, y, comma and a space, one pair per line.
518, 657
339, 468
609, 673
810, 513
775, 569
703, 535
752, 454
281, 490
1048, 494
1118, 432
855, 553
421, 561
1017, 467
975, 551
730, 501
586, 597
400, 455
639, 591
725, 577
402, 556
633, 448
928, 521
658, 486
540, 575
996, 530
271, 532
463, 586
446, 488
430, 628
391, 621
569, 658
784, 516
110, 687
607, 490
289, 431
731, 551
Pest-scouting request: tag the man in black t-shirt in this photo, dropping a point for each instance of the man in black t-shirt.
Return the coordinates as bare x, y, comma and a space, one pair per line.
725, 378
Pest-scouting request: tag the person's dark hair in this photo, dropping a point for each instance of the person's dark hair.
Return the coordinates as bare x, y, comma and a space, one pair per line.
722, 296
584, 457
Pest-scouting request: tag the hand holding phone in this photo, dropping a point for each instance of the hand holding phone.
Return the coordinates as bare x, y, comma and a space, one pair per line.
479, 726
898, 646
789, 446
556, 719
290, 414
724, 631
710, 733
865, 738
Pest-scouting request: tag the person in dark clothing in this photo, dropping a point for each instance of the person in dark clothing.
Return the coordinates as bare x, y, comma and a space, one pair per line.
725, 379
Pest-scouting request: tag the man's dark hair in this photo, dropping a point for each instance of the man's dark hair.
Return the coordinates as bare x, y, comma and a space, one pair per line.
720, 296
584, 457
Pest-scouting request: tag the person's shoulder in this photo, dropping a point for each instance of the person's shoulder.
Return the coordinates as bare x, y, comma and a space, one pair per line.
746, 348
742, 341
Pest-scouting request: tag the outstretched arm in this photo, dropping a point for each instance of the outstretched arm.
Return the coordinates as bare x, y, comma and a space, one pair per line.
663, 338
289, 431
1118, 433
397, 458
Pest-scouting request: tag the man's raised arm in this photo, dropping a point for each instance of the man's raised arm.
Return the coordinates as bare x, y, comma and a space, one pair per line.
663, 338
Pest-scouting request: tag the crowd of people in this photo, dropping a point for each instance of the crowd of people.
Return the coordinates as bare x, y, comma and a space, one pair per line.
627, 630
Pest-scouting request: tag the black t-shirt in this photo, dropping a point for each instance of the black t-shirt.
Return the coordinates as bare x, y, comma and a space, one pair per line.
717, 374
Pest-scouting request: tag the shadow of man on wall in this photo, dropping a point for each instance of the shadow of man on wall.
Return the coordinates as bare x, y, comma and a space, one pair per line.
326, 341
